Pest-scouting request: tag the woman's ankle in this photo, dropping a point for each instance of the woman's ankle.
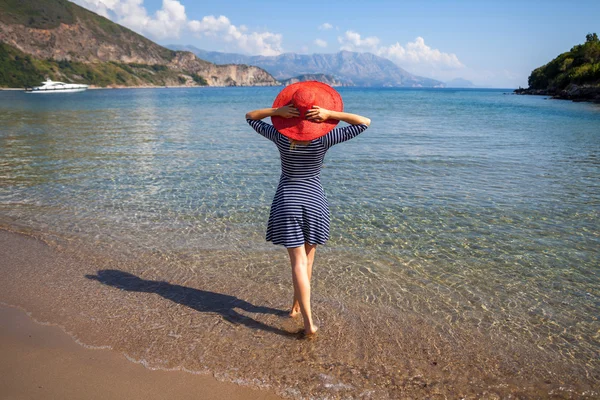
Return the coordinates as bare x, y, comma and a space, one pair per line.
311, 330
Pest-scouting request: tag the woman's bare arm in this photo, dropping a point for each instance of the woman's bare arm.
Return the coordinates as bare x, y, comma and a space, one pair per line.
286, 112
318, 114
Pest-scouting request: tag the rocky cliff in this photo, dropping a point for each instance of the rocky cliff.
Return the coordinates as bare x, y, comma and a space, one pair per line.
62, 32
222, 75
84, 42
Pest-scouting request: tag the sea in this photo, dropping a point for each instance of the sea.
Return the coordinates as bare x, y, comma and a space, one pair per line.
463, 259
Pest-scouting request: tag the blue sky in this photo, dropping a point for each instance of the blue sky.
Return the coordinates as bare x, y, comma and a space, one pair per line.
492, 43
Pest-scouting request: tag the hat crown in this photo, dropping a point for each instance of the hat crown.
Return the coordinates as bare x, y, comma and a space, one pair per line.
303, 99
303, 96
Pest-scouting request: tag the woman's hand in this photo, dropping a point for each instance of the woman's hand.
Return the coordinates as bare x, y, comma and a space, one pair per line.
288, 111
318, 114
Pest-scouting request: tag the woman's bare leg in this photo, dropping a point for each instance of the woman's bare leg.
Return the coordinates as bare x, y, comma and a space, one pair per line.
299, 261
310, 250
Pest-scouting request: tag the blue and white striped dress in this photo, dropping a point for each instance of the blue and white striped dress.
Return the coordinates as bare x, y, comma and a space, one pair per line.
300, 212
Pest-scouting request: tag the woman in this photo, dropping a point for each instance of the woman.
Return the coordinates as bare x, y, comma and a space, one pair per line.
304, 116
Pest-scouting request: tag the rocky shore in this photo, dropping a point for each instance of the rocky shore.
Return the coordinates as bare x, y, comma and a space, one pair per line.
577, 93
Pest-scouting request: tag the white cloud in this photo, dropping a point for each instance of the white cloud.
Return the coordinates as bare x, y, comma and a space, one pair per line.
171, 20
352, 41
100, 7
263, 43
165, 23
415, 55
325, 26
320, 43
418, 53
210, 26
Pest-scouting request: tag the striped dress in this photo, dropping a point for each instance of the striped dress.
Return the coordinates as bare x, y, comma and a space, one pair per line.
300, 212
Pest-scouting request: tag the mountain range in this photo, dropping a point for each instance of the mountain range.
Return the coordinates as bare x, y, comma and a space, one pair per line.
460, 83
350, 68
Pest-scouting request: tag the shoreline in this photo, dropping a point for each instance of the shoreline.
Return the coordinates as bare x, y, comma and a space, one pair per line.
43, 357
123, 87
151, 87
135, 310
577, 94
43, 361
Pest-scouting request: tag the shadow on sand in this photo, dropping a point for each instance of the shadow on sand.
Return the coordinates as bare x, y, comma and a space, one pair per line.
199, 300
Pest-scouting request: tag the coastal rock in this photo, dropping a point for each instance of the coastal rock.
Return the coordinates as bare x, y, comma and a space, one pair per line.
571, 92
539, 92
579, 93
222, 75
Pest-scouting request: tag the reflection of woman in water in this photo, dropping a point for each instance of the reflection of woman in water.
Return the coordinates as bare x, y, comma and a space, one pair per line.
304, 116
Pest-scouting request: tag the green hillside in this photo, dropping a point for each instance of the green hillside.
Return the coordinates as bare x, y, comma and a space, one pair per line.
49, 14
62, 41
18, 69
36, 13
580, 66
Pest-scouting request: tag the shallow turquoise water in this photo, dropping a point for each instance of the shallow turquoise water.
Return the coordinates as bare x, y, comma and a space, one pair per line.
468, 172
489, 200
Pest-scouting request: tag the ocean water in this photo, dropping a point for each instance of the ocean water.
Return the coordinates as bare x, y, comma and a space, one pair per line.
464, 251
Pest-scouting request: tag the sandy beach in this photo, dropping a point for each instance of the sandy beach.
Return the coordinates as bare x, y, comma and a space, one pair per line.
41, 361
167, 326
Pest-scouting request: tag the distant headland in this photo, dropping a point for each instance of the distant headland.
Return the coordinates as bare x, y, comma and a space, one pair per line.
574, 75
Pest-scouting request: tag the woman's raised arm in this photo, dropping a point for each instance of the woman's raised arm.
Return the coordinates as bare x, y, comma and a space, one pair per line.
318, 114
286, 112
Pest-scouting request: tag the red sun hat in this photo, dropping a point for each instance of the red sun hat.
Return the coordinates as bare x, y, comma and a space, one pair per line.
305, 95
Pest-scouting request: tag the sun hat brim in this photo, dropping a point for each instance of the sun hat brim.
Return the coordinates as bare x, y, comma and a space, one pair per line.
299, 128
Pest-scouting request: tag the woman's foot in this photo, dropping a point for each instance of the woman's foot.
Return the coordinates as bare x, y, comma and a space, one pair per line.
309, 333
295, 311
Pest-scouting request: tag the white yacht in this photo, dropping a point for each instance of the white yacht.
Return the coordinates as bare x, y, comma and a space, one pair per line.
57, 87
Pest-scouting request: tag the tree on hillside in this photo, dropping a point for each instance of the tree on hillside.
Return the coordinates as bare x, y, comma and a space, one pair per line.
580, 65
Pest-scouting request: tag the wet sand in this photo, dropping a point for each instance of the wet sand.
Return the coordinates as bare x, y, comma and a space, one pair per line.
208, 316
42, 358
43, 362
